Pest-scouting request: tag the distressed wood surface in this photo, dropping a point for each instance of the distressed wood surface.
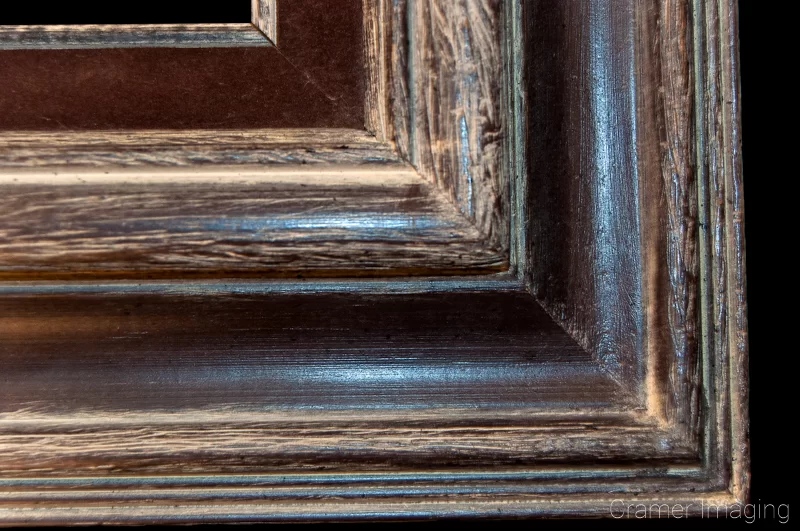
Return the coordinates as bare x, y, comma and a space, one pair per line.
585, 240
449, 85
678, 163
246, 220
360, 374
95, 36
377, 50
494, 504
569, 379
265, 18
722, 256
247, 446
195, 148
668, 146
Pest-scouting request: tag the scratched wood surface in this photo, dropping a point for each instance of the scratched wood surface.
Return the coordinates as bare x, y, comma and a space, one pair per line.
314, 351
241, 221
605, 139
196, 148
378, 55
585, 239
98, 36
670, 178
449, 84
265, 18
722, 254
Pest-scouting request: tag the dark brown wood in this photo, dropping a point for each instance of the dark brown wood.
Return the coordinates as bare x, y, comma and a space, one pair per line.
585, 240
602, 357
291, 350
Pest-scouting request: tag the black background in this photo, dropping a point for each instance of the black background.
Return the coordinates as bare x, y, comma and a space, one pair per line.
768, 42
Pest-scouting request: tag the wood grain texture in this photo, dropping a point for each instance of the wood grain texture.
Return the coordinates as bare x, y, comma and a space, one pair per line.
377, 48
669, 154
584, 234
265, 18
680, 184
383, 391
449, 86
493, 504
287, 445
550, 389
195, 149
297, 352
722, 256
234, 221
94, 36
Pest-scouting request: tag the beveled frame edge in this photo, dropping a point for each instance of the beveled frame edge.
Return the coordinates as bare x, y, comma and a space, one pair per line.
455, 245
265, 18
356, 208
721, 477
262, 31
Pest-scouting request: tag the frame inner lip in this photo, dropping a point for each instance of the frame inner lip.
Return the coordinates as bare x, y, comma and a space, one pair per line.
100, 36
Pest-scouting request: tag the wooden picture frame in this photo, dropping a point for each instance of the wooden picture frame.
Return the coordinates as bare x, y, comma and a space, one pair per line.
262, 31
519, 291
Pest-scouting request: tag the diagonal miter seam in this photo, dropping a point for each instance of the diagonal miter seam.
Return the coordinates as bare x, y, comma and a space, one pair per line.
265, 19
269, 30
515, 187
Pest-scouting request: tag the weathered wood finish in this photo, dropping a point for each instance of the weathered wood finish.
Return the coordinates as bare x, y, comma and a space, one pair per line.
449, 87
722, 254
329, 350
262, 32
235, 221
89, 36
192, 149
265, 18
604, 358
668, 165
377, 50
266, 203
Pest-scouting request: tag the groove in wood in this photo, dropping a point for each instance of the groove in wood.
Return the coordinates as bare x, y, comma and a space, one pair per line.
236, 221
166, 401
449, 107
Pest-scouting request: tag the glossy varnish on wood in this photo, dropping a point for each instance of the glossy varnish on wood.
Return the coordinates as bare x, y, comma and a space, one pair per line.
554, 189
266, 203
241, 220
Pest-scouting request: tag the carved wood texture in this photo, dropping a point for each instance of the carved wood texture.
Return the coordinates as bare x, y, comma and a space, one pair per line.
579, 160
449, 103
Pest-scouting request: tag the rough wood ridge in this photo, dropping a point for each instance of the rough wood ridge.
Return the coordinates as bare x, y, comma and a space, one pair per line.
450, 114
